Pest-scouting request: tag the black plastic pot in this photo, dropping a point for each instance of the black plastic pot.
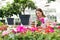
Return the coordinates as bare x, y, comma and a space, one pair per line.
10, 21
24, 19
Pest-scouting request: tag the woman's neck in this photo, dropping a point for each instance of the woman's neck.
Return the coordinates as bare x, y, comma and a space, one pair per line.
41, 17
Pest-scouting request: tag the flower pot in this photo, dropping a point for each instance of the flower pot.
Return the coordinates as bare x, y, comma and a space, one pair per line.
24, 19
10, 21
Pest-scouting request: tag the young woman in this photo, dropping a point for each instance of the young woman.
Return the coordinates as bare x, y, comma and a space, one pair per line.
42, 18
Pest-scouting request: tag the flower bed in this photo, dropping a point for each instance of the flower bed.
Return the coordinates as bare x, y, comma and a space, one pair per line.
33, 33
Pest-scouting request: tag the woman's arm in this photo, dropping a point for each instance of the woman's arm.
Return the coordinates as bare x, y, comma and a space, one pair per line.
47, 22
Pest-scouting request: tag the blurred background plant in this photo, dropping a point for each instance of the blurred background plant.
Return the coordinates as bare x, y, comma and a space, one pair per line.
17, 7
23, 4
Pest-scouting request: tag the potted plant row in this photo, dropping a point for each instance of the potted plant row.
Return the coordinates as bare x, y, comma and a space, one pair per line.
18, 7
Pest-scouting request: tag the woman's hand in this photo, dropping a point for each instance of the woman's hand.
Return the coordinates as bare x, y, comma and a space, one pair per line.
48, 23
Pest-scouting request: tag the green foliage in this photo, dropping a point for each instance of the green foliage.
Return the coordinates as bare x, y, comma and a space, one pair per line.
2, 13
58, 24
17, 7
1, 23
5, 11
33, 36
50, 1
38, 23
25, 4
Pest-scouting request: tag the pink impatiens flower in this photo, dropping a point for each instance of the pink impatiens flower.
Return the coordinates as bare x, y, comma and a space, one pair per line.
58, 27
54, 23
42, 20
21, 28
51, 30
14, 31
34, 29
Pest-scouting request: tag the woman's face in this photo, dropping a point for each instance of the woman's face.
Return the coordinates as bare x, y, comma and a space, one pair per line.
39, 14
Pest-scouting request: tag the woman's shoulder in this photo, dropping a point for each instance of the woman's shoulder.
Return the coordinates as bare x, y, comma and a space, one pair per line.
46, 18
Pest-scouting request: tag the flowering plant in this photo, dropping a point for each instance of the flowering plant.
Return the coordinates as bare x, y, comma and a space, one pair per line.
38, 23
42, 20
21, 29
33, 33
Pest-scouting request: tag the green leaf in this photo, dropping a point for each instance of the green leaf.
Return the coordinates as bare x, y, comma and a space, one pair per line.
1, 38
1, 23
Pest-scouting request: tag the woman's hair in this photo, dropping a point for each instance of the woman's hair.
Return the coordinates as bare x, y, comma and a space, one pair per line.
41, 12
